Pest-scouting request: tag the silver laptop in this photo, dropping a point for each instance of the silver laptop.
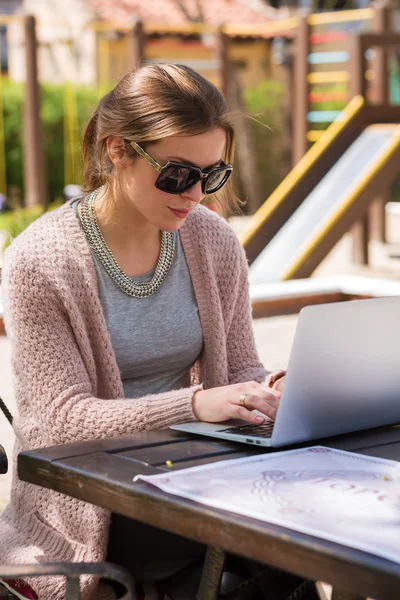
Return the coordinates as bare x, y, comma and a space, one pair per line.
343, 375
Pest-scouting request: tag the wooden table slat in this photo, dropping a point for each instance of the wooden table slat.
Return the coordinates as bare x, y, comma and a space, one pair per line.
110, 445
358, 440
391, 451
210, 459
180, 452
354, 441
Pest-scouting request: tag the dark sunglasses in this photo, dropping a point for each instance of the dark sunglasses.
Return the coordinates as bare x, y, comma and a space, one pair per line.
176, 178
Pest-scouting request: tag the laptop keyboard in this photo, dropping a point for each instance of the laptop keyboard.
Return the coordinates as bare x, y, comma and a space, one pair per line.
263, 431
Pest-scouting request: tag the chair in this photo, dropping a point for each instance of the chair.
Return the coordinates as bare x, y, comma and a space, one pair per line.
3, 461
72, 571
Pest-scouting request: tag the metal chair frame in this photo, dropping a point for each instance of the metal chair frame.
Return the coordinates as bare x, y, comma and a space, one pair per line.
72, 572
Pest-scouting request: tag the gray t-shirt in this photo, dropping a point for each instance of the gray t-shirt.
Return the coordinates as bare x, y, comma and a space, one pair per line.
156, 340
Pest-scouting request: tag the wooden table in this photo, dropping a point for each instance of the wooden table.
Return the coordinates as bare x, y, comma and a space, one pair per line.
101, 472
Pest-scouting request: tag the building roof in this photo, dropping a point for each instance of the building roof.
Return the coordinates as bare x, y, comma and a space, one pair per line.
175, 12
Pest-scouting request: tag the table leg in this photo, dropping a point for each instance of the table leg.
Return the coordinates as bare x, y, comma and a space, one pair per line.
212, 573
320, 591
338, 595
72, 591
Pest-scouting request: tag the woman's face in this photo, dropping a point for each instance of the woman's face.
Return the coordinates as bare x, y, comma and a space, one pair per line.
136, 178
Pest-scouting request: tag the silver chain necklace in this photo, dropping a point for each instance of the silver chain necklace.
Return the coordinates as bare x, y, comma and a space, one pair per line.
97, 242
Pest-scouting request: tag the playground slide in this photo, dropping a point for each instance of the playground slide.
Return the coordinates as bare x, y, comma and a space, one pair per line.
336, 180
300, 243
303, 178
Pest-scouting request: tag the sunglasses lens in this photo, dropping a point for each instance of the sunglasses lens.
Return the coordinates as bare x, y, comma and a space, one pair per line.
175, 179
216, 180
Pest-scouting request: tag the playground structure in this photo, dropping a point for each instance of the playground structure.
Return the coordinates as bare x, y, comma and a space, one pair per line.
333, 185
327, 192
317, 45
325, 71
321, 45
368, 121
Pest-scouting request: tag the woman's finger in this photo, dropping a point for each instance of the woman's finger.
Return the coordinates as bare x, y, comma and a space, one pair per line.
265, 402
266, 407
265, 392
240, 412
279, 384
271, 396
263, 399
275, 376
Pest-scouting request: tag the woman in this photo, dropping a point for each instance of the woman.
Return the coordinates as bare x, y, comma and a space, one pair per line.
128, 310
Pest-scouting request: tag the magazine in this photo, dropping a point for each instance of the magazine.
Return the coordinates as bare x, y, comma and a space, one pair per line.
340, 496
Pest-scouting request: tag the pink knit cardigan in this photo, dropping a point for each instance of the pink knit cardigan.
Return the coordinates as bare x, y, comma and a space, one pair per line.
67, 383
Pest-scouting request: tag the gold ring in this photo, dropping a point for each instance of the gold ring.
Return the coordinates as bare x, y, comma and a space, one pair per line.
242, 400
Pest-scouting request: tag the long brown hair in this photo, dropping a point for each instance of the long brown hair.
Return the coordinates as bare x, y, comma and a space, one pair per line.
152, 103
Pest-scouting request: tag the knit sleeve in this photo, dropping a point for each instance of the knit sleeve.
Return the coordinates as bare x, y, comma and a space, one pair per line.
53, 387
243, 361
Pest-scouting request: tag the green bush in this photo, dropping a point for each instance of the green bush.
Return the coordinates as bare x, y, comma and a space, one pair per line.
52, 112
14, 222
395, 190
13, 94
264, 103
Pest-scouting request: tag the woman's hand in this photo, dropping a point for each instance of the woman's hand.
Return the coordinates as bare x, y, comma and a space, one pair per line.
276, 380
236, 402
278, 385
